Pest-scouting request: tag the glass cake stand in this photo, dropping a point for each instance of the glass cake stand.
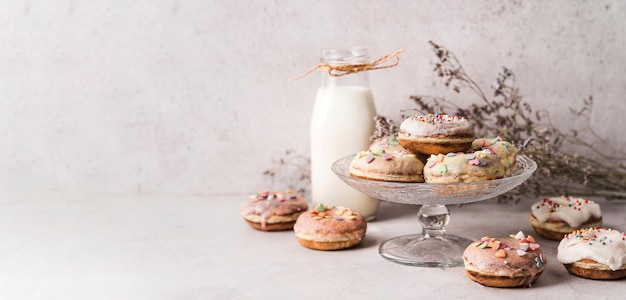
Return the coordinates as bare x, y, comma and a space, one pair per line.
433, 247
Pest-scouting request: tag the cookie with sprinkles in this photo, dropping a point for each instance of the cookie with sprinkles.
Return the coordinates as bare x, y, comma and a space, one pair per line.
330, 228
273, 211
436, 133
514, 261
555, 217
503, 148
458, 167
387, 160
594, 253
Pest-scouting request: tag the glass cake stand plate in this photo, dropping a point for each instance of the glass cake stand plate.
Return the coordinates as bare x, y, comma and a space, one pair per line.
433, 247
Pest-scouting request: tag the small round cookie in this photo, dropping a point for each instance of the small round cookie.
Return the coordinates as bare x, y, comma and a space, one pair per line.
394, 167
273, 211
434, 134
555, 217
506, 151
594, 253
504, 262
481, 165
330, 228
397, 166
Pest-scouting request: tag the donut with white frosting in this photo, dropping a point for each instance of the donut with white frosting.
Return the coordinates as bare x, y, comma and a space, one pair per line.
557, 216
273, 211
504, 262
436, 133
594, 253
387, 160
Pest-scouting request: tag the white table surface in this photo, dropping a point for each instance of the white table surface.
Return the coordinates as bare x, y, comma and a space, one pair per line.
55, 246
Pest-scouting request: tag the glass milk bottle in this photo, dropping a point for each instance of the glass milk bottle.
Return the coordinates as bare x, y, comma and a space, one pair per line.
341, 124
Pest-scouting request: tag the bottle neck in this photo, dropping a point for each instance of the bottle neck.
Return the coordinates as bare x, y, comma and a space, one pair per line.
352, 56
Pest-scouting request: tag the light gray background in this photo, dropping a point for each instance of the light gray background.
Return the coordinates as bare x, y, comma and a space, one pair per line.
191, 97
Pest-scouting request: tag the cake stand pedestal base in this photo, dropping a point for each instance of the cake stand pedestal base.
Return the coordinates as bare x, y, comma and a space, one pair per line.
432, 248
424, 251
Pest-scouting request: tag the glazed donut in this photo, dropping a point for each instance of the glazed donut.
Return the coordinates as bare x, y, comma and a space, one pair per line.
504, 262
273, 211
434, 134
386, 160
555, 217
594, 253
506, 151
481, 165
330, 228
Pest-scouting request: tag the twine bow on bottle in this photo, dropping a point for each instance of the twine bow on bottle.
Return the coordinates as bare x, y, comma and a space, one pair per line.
342, 70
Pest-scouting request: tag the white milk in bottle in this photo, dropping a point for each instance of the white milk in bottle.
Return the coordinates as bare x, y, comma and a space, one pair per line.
341, 124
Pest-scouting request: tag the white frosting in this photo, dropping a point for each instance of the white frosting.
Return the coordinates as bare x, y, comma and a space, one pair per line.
435, 125
573, 211
605, 246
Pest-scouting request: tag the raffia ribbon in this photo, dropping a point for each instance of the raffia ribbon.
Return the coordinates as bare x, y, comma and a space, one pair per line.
342, 70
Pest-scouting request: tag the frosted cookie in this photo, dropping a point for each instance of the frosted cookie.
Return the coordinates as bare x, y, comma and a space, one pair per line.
504, 262
504, 149
434, 134
272, 211
396, 166
594, 253
458, 167
387, 160
555, 217
330, 228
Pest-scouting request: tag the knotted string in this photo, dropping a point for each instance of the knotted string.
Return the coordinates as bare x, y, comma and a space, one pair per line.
342, 70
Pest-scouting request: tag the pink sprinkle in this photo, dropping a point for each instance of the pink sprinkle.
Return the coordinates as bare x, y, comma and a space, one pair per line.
387, 157
474, 162
432, 163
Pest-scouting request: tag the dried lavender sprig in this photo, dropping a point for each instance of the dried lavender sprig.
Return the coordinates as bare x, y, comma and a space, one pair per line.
384, 127
293, 171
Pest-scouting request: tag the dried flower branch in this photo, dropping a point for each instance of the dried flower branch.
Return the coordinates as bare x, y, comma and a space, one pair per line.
293, 171
594, 173
384, 127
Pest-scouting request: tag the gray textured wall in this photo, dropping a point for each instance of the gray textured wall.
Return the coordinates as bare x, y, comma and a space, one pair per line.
191, 97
